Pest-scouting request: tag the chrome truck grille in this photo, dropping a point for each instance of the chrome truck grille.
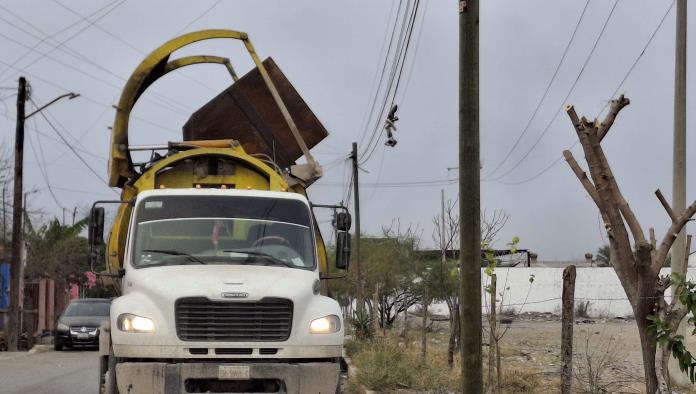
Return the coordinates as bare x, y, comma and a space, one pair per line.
200, 319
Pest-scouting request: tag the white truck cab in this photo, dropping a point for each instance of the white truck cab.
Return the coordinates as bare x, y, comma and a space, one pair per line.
221, 294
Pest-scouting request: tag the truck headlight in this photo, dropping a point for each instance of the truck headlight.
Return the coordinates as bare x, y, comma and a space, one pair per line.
62, 327
132, 323
325, 325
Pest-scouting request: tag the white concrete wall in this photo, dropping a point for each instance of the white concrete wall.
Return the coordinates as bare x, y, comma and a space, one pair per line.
598, 285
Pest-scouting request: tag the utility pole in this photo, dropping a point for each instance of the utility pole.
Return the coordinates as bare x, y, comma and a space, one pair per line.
356, 193
74, 214
13, 331
679, 152
679, 252
469, 192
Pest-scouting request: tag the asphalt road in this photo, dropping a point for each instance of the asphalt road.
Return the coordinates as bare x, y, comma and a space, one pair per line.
70, 371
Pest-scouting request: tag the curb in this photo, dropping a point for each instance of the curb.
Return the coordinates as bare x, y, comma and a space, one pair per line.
40, 349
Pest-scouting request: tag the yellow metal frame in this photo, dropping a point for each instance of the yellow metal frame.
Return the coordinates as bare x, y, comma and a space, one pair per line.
121, 170
156, 65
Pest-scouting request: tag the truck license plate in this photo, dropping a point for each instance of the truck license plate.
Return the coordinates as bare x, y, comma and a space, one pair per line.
237, 372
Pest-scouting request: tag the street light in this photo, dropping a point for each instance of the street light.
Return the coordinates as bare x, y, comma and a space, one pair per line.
70, 96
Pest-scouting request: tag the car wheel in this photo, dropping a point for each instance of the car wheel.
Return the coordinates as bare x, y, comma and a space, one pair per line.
57, 345
3, 347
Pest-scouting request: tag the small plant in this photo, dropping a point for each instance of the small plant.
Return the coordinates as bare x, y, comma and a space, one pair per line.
596, 361
582, 309
362, 325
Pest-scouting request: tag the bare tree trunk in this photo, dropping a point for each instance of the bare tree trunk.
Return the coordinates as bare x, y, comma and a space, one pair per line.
453, 330
492, 338
424, 328
373, 318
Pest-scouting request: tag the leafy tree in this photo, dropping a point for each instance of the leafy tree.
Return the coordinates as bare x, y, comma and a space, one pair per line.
57, 251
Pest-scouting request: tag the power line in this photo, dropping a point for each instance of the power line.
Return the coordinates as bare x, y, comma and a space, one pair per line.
368, 149
118, 38
618, 87
545, 94
2, 73
415, 52
83, 72
42, 169
71, 148
376, 88
196, 19
570, 91
83, 96
395, 76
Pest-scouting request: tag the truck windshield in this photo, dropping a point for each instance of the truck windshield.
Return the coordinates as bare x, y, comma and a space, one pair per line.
178, 230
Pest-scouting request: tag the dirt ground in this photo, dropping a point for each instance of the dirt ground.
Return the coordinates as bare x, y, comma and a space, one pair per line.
607, 356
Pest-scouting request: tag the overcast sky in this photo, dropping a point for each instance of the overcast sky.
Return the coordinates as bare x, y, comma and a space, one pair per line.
331, 51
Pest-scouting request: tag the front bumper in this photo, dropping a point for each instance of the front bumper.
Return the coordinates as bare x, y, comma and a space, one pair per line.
268, 377
72, 338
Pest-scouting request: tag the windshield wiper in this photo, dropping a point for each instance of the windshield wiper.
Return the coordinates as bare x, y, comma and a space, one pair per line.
176, 253
261, 254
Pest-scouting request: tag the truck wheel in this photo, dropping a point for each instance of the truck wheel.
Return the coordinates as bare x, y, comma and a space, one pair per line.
111, 386
103, 367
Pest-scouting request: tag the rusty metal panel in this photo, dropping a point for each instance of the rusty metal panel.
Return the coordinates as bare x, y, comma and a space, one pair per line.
247, 113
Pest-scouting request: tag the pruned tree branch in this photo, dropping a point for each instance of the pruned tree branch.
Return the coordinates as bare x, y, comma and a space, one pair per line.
666, 205
671, 235
616, 106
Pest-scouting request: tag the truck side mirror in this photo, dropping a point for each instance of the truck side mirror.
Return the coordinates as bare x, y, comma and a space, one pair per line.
342, 250
95, 234
343, 221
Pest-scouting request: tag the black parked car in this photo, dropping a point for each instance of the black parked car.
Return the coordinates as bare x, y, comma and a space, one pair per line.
79, 324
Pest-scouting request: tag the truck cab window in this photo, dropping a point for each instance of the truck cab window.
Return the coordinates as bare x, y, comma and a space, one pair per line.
178, 230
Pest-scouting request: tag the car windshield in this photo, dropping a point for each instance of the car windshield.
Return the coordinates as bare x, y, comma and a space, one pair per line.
87, 309
179, 230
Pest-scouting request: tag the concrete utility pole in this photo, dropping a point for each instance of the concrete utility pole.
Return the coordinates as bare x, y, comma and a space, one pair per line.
356, 193
679, 152
679, 252
469, 192
14, 329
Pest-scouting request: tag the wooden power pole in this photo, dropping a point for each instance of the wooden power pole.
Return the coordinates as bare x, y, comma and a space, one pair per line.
13, 327
469, 193
356, 194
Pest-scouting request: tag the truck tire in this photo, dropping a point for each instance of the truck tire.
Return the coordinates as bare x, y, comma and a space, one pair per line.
111, 386
103, 367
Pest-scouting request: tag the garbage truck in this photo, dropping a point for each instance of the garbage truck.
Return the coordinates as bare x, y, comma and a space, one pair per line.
215, 249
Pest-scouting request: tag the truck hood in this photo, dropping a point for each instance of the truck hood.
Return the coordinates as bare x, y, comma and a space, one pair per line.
221, 281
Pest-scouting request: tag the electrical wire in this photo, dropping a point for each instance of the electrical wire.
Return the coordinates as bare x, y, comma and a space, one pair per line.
199, 17
83, 96
71, 148
565, 99
70, 26
42, 168
546, 92
375, 88
618, 87
395, 76
140, 52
